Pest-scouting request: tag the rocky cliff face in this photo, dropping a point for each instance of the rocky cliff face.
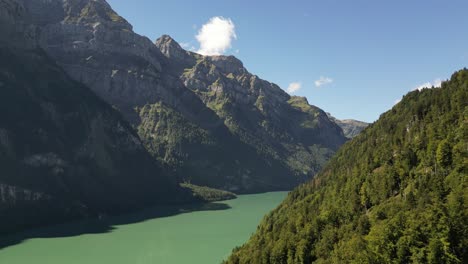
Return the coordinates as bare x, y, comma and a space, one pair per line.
64, 152
207, 118
282, 129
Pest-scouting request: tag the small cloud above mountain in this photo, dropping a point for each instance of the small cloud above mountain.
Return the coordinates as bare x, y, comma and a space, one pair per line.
294, 87
216, 36
436, 83
323, 81
188, 46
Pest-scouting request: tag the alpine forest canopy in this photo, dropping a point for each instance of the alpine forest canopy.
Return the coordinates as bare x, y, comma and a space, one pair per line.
397, 193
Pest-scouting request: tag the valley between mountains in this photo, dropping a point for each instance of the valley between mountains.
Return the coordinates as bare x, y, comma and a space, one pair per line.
97, 121
202, 120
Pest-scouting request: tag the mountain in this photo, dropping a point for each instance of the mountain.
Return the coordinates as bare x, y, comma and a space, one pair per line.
351, 127
396, 193
64, 152
206, 118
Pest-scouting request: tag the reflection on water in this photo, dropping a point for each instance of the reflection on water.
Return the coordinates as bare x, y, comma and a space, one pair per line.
106, 224
204, 233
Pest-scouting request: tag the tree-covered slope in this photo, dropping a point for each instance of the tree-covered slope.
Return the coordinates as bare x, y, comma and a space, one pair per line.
397, 193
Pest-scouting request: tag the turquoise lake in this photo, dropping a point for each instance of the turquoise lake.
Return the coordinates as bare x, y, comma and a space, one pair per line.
204, 235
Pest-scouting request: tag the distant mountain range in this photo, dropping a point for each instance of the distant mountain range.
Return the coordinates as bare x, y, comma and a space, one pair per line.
351, 127
98, 119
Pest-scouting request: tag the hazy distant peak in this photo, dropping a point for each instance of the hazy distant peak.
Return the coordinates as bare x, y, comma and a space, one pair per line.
351, 127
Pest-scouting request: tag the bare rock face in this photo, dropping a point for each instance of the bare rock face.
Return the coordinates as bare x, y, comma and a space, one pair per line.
98, 48
206, 117
287, 129
15, 31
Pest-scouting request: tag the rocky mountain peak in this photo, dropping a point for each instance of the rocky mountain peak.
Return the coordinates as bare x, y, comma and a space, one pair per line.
43, 12
170, 48
228, 64
95, 11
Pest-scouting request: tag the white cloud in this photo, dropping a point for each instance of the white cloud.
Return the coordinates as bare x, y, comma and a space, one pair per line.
185, 45
323, 81
216, 36
294, 87
435, 83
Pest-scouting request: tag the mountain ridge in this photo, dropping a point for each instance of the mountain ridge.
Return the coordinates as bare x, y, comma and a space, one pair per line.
351, 127
206, 118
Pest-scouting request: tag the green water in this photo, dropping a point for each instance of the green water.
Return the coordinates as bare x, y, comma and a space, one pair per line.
200, 235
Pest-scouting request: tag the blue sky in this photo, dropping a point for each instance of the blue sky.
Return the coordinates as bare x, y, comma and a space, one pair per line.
367, 53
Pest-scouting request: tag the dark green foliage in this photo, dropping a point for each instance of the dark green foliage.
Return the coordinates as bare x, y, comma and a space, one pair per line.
444, 154
207, 194
211, 157
397, 193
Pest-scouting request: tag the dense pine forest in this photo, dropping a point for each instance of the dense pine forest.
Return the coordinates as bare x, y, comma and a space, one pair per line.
397, 193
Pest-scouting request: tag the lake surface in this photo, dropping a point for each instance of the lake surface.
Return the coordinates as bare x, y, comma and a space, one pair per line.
200, 235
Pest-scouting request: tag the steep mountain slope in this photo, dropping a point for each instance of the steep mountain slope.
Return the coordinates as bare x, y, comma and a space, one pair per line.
64, 153
351, 127
206, 118
396, 193
281, 128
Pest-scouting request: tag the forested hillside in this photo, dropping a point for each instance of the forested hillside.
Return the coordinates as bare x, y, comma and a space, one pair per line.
397, 193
